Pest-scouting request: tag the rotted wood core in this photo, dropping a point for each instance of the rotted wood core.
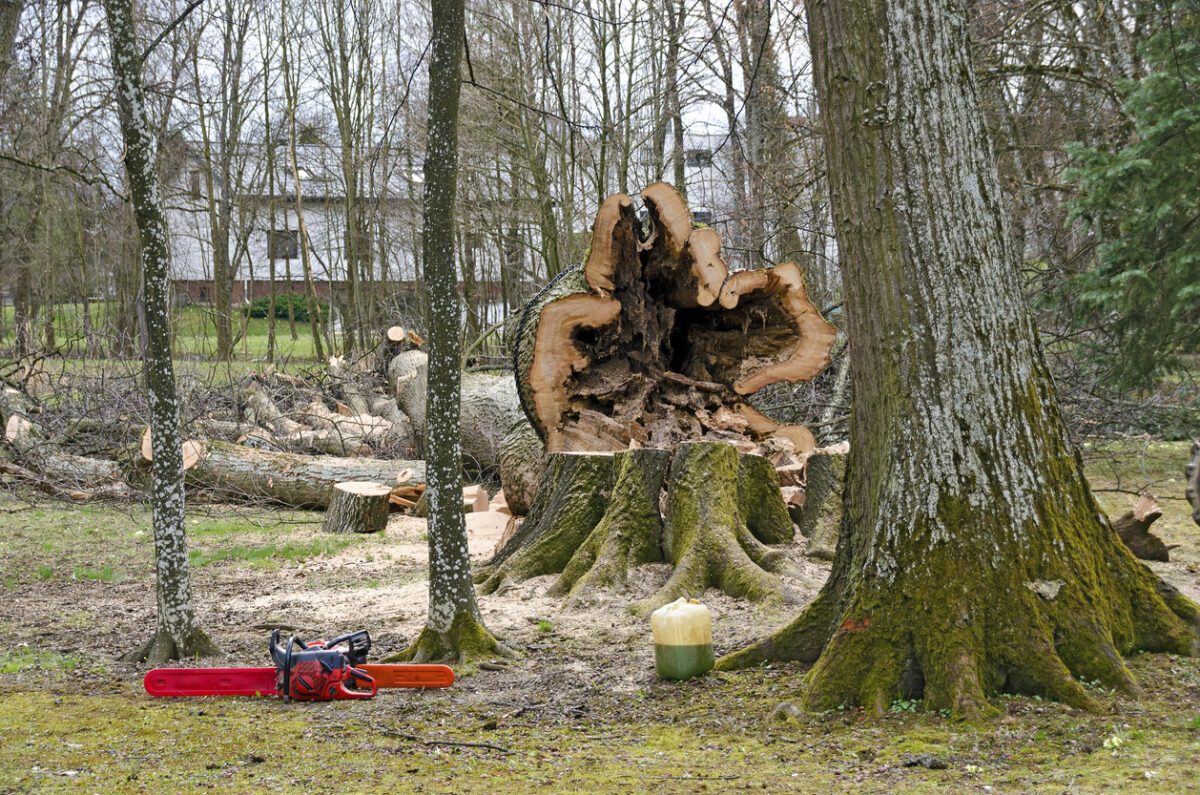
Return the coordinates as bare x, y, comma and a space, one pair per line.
653, 342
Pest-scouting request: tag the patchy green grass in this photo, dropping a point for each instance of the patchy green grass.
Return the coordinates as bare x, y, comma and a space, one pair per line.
714, 735
90, 574
74, 720
13, 661
271, 555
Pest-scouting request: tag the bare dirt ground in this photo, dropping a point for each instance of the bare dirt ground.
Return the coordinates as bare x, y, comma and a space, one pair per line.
581, 707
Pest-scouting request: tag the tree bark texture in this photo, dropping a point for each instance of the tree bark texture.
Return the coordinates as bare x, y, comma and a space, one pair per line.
453, 628
973, 558
177, 634
233, 471
488, 407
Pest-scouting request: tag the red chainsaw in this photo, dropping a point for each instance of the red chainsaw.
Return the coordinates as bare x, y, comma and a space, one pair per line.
317, 671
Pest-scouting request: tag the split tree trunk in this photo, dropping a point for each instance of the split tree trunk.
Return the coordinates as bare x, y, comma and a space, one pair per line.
357, 507
636, 369
973, 558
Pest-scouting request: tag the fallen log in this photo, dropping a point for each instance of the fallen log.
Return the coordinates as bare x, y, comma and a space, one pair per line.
49, 461
1134, 529
302, 481
357, 507
489, 407
192, 449
521, 461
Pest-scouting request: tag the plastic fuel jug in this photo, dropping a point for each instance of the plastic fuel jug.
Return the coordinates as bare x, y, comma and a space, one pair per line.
682, 639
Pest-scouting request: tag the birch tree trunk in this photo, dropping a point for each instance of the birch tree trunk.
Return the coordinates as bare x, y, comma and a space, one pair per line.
177, 634
973, 559
453, 628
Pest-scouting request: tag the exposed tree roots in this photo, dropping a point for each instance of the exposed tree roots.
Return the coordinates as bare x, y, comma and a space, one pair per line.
599, 514
966, 622
161, 648
466, 643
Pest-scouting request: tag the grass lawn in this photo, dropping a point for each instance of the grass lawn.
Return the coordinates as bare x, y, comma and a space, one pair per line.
580, 710
195, 333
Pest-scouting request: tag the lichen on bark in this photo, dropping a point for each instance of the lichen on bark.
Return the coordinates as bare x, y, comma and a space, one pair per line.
177, 633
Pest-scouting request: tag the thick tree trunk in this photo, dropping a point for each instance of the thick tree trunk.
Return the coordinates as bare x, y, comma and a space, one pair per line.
177, 634
973, 558
301, 481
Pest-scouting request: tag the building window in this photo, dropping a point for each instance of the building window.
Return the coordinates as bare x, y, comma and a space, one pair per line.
283, 243
702, 216
194, 179
698, 158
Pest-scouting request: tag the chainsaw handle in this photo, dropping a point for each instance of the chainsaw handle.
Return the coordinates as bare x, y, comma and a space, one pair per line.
357, 675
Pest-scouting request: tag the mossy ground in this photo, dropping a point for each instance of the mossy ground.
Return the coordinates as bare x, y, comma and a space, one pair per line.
579, 710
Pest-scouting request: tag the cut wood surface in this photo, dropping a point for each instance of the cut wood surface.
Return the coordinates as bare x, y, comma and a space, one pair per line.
1134, 529
475, 499
192, 449
303, 481
652, 342
357, 507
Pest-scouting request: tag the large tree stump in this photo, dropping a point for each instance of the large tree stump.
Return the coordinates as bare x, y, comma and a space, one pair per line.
599, 514
636, 370
357, 506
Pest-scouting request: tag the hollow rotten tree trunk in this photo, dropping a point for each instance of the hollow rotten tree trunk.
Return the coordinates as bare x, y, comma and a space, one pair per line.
636, 369
973, 558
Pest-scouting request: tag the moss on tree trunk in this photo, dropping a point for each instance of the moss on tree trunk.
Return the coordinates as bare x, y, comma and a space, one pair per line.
973, 558
597, 515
